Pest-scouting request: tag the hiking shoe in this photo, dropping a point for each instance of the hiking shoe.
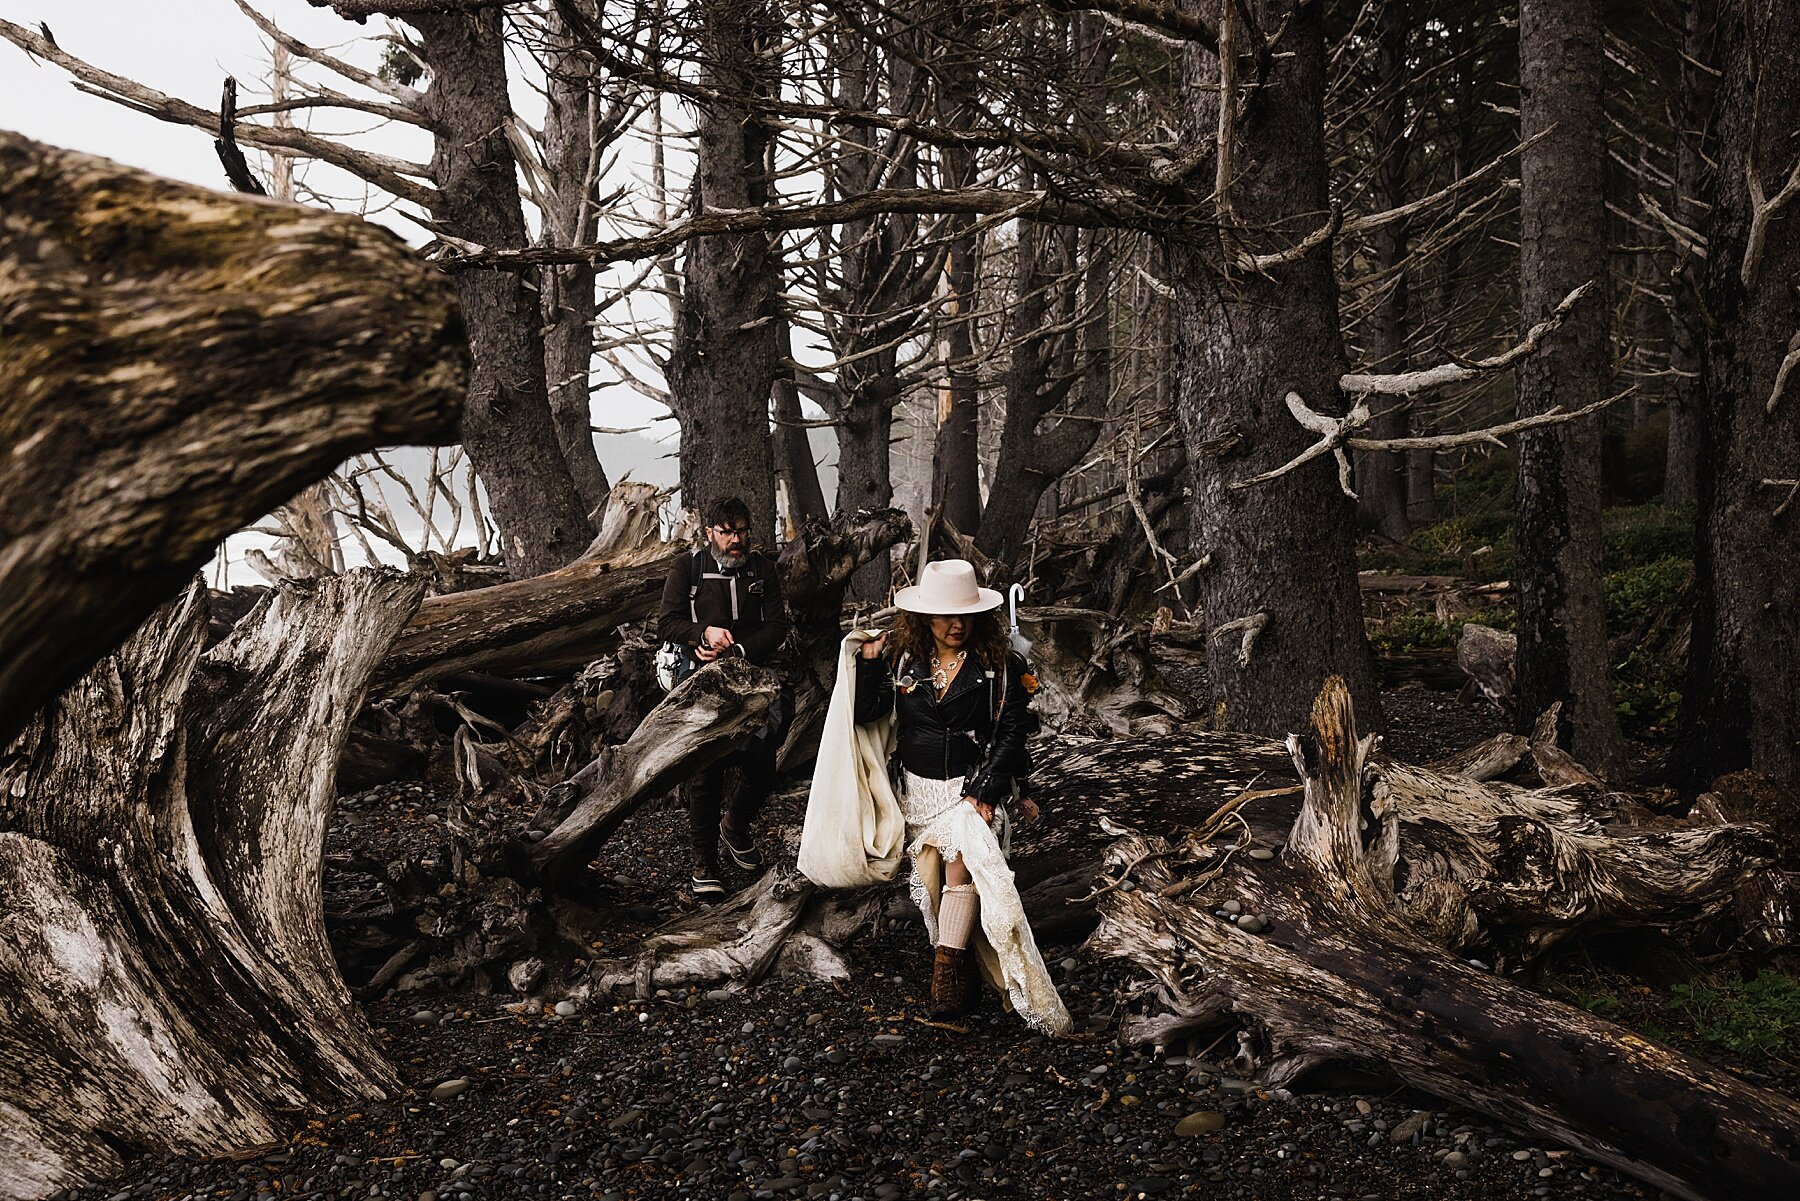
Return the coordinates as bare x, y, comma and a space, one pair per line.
706, 885
742, 849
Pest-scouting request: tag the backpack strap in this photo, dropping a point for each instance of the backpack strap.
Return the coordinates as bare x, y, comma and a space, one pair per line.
696, 570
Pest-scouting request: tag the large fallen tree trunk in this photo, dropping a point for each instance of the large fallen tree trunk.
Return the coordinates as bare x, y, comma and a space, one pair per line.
1349, 945
174, 363
558, 621
167, 981
565, 619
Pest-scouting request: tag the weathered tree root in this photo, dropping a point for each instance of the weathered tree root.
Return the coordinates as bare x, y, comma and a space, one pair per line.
1349, 963
167, 977
782, 924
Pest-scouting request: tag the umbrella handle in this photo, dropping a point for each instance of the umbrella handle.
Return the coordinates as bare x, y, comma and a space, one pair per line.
1014, 595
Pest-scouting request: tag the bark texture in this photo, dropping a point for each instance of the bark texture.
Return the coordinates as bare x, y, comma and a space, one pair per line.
1742, 705
1282, 550
174, 363
1562, 245
507, 427
169, 982
1365, 920
722, 363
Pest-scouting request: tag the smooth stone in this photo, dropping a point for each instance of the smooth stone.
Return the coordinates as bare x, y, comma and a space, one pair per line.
1252, 924
1232, 907
450, 1088
1406, 1128
424, 1016
1263, 854
1204, 1122
718, 994
889, 1040
567, 1009
1455, 1160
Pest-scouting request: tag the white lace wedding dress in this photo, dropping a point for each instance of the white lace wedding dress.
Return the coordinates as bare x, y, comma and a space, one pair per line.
940, 825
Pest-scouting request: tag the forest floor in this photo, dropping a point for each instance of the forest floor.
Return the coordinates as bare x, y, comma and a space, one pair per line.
844, 1090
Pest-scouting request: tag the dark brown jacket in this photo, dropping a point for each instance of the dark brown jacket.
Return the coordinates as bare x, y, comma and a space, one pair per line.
746, 601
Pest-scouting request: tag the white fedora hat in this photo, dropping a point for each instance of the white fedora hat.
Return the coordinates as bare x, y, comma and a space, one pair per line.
945, 587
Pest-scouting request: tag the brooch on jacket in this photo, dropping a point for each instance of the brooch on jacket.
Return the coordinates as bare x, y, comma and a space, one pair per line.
1030, 682
907, 682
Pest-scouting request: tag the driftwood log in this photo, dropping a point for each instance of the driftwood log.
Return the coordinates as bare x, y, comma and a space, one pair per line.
174, 363
167, 977
1353, 944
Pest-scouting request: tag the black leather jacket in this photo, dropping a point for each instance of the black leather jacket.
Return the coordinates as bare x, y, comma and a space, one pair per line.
957, 737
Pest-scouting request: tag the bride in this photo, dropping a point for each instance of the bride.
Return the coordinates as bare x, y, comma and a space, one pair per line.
943, 692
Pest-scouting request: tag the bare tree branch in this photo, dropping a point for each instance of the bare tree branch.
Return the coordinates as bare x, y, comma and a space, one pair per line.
1032, 206
392, 175
1406, 382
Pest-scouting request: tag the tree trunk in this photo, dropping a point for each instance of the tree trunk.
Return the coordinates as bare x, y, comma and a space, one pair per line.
507, 427
1381, 477
1742, 704
1693, 184
793, 449
174, 363
1563, 243
722, 364
1045, 369
572, 127
956, 446
1283, 550
955, 452
1355, 937
169, 982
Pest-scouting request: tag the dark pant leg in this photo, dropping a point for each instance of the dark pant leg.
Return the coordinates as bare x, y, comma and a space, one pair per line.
705, 790
757, 761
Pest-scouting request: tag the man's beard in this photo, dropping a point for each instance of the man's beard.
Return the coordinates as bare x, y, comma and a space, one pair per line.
728, 560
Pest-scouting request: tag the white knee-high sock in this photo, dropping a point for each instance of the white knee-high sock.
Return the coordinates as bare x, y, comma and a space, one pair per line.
956, 915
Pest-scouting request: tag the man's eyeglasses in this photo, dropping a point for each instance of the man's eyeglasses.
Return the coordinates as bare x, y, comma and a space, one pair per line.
733, 531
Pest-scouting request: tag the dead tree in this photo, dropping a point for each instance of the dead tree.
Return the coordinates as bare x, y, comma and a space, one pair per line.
1352, 942
152, 333
168, 980
1742, 707
1562, 246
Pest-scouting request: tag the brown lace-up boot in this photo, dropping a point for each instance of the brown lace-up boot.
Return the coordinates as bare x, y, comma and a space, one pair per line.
949, 982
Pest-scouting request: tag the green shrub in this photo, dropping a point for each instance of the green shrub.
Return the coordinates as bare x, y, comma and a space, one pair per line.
1636, 592
1411, 632
1647, 691
1639, 534
1759, 1016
